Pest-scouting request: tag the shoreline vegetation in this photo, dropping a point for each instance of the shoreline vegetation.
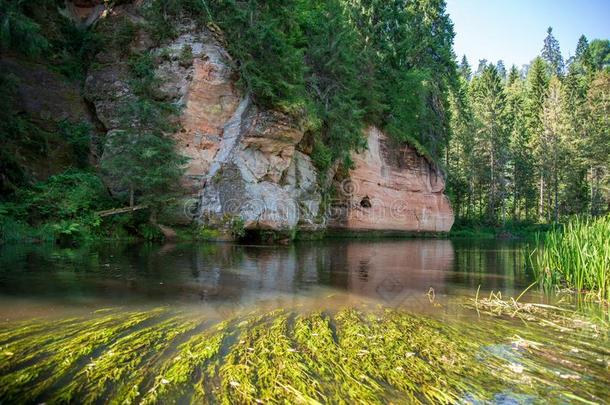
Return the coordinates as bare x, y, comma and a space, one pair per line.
575, 256
502, 349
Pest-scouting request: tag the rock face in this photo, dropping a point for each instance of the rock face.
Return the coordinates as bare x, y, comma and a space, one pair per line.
392, 188
258, 175
244, 161
48, 102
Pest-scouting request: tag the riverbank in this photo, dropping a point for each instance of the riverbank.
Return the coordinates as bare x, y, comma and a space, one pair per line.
510, 230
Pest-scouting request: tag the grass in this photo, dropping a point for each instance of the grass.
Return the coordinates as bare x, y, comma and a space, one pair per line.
352, 355
576, 256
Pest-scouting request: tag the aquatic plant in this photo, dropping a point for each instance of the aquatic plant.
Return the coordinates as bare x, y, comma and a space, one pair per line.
354, 355
576, 256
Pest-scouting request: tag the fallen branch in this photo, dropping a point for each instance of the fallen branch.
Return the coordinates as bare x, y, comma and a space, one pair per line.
123, 210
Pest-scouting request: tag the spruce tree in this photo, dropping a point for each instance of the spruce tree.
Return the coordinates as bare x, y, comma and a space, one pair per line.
551, 52
552, 144
597, 144
464, 69
521, 166
537, 84
492, 140
513, 76
501, 69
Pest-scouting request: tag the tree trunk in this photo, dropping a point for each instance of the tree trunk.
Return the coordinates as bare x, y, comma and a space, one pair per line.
541, 203
131, 199
556, 192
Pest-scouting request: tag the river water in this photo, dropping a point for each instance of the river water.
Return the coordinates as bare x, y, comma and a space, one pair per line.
353, 321
204, 275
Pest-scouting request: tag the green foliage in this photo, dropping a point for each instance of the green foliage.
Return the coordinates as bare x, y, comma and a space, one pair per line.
577, 256
599, 51
124, 32
551, 140
78, 136
237, 226
18, 31
61, 207
70, 195
150, 232
186, 56
329, 64
145, 164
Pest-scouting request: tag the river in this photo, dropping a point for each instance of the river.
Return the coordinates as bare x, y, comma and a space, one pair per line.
66, 312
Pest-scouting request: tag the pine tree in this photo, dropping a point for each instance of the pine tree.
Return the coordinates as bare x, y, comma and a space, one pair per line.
597, 144
552, 159
537, 84
145, 165
582, 48
513, 76
575, 197
492, 140
461, 163
501, 69
464, 69
551, 52
521, 166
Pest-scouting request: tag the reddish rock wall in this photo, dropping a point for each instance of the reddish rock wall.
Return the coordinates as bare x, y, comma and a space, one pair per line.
392, 188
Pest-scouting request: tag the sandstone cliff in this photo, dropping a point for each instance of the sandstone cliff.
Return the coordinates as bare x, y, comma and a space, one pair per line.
392, 188
244, 162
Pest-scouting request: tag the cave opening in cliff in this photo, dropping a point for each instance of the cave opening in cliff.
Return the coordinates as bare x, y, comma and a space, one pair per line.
365, 202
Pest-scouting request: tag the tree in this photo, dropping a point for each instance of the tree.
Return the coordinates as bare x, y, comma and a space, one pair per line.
501, 69
551, 53
461, 150
582, 48
521, 164
597, 145
145, 164
536, 92
492, 141
513, 76
552, 158
464, 69
599, 50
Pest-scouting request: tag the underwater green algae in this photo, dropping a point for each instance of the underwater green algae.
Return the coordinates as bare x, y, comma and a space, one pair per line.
354, 355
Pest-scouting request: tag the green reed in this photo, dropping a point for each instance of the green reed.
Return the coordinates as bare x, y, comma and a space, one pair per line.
576, 256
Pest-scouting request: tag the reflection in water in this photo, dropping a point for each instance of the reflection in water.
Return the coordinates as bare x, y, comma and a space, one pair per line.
195, 272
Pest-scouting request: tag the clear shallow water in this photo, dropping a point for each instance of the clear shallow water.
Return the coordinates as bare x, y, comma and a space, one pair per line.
355, 321
203, 275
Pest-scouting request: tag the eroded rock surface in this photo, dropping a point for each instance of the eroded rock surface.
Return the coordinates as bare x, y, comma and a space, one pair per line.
392, 188
258, 175
243, 160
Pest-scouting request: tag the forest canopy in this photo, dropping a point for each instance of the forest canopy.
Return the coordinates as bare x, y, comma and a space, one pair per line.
338, 65
532, 144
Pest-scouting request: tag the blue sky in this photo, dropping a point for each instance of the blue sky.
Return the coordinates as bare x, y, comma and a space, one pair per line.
514, 30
